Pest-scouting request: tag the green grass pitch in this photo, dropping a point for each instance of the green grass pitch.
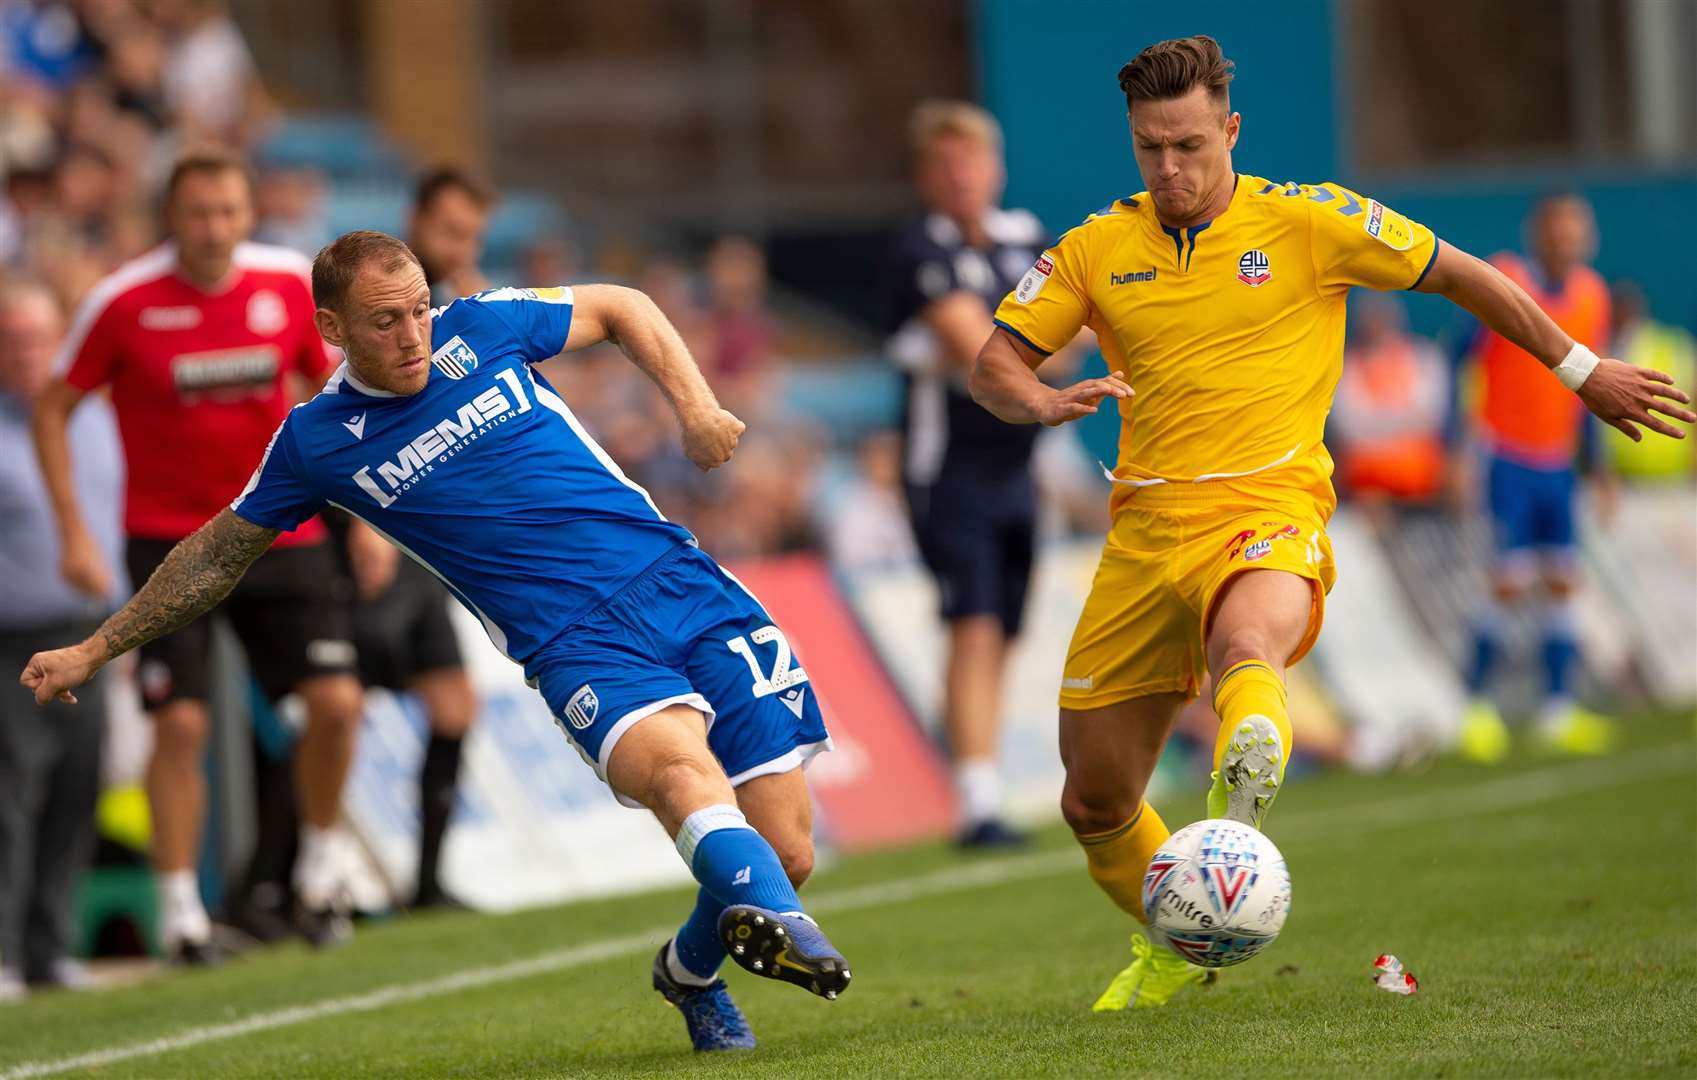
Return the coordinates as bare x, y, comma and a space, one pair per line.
1549, 908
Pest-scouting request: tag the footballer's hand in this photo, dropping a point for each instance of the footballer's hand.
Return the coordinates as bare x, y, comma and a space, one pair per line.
83, 566
1625, 395
1080, 399
53, 675
711, 437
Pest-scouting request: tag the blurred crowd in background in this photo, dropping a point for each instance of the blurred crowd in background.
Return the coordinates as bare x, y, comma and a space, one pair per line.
96, 97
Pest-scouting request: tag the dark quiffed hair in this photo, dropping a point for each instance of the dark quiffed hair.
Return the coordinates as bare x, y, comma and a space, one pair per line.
451, 178
336, 266
1169, 69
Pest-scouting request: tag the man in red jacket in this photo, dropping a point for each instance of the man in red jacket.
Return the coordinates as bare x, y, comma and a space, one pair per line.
205, 342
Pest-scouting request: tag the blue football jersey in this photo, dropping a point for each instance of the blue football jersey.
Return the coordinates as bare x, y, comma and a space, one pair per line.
485, 477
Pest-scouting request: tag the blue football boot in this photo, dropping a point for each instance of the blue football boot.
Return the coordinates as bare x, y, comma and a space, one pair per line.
789, 947
713, 1019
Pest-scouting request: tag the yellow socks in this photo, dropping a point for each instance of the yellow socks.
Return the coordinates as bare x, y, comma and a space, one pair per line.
1120, 857
1246, 689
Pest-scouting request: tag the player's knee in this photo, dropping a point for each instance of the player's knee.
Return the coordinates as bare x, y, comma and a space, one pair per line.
180, 727
681, 781
796, 853
1094, 812
1243, 643
333, 702
1558, 586
452, 705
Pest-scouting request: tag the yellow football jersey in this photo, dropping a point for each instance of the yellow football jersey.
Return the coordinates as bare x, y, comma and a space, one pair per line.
1231, 332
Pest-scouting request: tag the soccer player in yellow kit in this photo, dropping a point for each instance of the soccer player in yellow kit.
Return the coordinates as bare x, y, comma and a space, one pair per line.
1218, 300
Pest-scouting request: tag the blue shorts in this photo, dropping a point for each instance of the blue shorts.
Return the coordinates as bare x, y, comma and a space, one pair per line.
684, 632
1532, 510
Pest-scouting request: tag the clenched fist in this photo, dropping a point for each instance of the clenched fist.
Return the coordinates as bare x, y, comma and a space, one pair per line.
55, 674
711, 437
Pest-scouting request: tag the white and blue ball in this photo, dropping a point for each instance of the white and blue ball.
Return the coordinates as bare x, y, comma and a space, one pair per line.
1217, 892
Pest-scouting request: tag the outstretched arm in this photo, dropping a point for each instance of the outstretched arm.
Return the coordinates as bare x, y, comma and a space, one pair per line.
1004, 381
630, 320
197, 574
1621, 394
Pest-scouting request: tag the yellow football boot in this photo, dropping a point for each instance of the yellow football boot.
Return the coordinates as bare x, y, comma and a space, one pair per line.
1155, 975
1577, 731
1484, 737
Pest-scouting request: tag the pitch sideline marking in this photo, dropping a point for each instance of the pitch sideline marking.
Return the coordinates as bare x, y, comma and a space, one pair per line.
1504, 793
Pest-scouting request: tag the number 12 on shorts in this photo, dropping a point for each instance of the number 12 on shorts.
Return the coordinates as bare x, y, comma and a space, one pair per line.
783, 675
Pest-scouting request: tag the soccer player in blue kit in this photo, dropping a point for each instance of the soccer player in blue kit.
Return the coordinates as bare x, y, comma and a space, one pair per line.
668, 676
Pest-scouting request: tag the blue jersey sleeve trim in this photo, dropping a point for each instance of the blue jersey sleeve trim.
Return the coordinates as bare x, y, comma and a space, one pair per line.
241, 511
1436, 244
566, 330
1027, 342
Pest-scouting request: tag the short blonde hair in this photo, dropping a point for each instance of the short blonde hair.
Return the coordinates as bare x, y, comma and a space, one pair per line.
932, 119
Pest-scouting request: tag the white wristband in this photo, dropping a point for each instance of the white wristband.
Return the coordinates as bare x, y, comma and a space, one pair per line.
1576, 366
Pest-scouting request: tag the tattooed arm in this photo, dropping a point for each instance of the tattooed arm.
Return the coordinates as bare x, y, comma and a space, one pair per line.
197, 574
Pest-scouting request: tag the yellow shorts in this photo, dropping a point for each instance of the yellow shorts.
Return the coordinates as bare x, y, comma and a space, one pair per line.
1170, 551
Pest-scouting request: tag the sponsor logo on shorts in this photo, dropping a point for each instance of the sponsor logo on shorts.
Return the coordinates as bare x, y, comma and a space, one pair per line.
1254, 269
794, 700
1087, 682
156, 681
1261, 548
581, 709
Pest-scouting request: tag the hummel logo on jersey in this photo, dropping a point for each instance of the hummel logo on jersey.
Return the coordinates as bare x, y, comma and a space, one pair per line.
743, 876
455, 359
442, 440
1131, 277
793, 700
356, 424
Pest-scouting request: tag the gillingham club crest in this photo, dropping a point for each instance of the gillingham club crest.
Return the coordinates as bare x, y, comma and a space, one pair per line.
455, 359
1253, 268
582, 707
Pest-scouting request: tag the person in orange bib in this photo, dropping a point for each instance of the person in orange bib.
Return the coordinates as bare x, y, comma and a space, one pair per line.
1530, 430
1218, 299
1392, 404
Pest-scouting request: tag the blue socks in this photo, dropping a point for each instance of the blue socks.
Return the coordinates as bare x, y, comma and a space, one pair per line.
1560, 647
735, 865
696, 948
1487, 646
